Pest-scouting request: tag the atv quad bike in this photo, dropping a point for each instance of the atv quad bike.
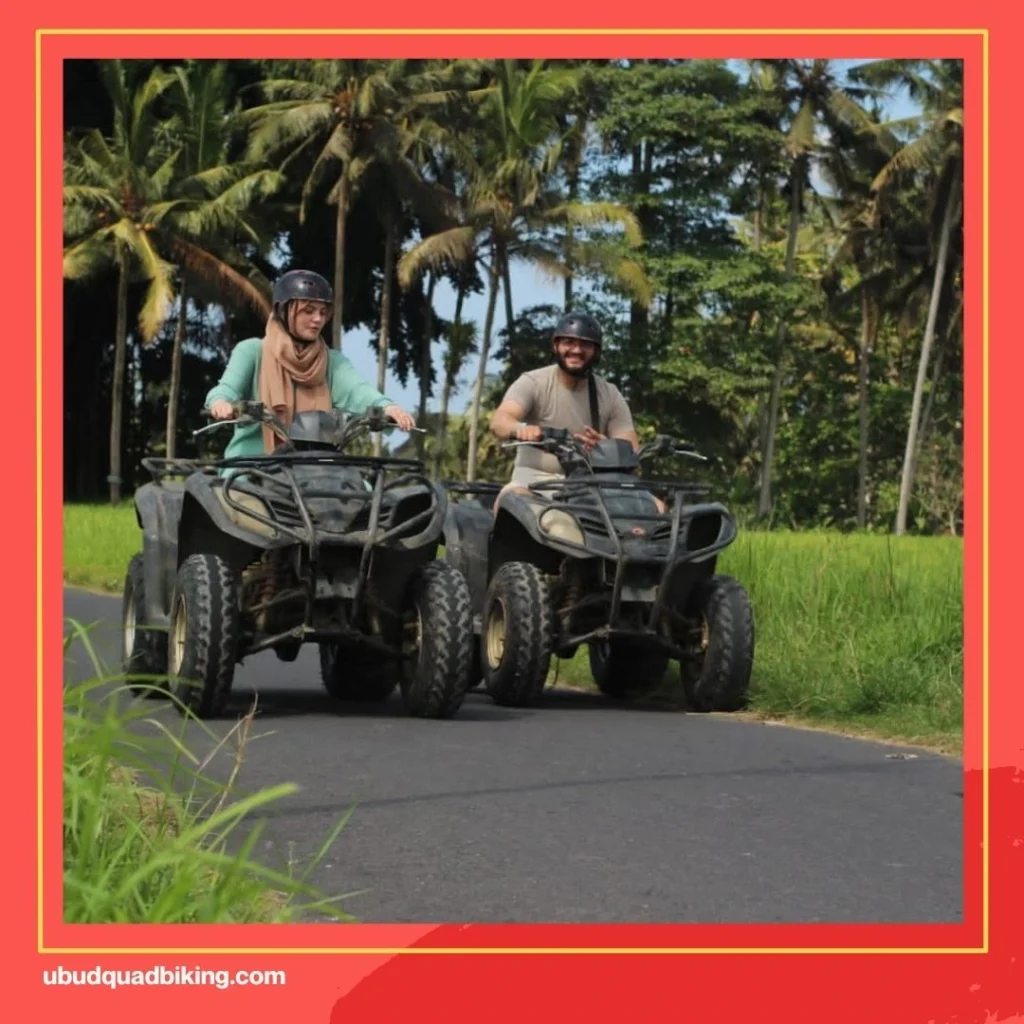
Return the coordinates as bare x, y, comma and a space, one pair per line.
591, 560
308, 544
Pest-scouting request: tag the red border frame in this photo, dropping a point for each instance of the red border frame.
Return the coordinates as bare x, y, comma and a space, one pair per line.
936, 985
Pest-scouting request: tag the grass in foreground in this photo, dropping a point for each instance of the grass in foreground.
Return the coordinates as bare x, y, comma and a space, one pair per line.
861, 633
147, 832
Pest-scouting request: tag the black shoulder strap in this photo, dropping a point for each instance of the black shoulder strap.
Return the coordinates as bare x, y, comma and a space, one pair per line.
595, 422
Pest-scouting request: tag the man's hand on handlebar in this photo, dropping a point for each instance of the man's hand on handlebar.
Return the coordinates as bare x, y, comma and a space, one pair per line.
528, 432
589, 437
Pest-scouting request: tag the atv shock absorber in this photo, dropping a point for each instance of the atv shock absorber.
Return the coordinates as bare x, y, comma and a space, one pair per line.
274, 580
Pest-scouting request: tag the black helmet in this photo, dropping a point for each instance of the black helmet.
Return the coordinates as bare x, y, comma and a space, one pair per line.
578, 325
302, 284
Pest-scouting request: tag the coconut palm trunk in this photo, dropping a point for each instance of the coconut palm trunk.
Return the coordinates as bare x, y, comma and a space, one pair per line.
385, 316
910, 452
765, 503
339, 259
495, 274
174, 394
425, 360
868, 333
117, 385
451, 370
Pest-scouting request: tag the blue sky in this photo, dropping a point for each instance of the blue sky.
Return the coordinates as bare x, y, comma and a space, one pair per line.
530, 287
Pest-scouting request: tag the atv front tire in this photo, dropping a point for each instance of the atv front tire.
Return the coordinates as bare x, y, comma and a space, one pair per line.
144, 648
204, 634
357, 674
437, 634
717, 677
517, 628
623, 668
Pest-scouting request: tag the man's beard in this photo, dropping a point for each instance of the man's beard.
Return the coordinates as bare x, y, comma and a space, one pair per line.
575, 371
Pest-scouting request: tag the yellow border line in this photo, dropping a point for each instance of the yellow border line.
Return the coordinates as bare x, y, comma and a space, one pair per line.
39, 482
605, 950
985, 845
652, 31
520, 950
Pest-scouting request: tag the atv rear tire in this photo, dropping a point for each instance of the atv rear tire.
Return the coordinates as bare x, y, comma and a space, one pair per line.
144, 647
437, 631
204, 634
718, 678
623, 668
517, 628
357, 674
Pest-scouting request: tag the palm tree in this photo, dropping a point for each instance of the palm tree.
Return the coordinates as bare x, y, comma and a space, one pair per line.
508, 207
811, 92
937, 152
121, 207
214, 198
336, 118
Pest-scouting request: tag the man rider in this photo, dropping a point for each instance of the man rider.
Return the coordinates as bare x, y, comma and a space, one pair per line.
292, 369
568, 395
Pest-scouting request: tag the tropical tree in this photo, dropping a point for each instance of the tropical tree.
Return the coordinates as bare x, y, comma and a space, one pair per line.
122, 206
331, 121
508, 205
937, 153
214, 202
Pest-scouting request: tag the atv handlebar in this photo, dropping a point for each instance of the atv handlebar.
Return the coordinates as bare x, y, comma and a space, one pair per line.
553, 439
257, 412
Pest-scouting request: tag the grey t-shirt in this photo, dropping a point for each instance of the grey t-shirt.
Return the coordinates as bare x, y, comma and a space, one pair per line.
547, 402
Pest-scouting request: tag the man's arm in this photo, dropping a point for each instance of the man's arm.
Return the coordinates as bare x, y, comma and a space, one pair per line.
514, 409
620, 421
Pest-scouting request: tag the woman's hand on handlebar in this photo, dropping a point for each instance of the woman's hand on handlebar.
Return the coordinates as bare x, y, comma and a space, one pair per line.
222, 410
400, 416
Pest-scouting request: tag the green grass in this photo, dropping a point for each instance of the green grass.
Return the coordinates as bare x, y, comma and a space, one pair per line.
98, 542
147, 832
857, 632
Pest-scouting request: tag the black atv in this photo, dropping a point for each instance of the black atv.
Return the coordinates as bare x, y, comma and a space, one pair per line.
592, 559
308, 544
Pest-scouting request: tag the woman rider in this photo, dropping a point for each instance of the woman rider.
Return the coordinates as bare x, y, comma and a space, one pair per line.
291, 369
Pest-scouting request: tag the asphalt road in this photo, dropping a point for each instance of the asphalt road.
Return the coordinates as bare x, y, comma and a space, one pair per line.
583, 811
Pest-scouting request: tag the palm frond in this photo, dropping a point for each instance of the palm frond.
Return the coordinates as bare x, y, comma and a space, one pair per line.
156, 307
922, 152
595, 214
226, 278
289, 127
89, 256
800, 138
445, 249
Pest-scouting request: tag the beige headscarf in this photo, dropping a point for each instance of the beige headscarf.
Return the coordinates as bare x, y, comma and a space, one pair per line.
293, 377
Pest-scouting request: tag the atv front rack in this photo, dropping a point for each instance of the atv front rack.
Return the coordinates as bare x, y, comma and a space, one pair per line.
670, 559
272, 481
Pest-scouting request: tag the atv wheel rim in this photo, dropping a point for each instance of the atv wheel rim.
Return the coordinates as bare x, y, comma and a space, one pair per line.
177, 651
496, 634
129, 626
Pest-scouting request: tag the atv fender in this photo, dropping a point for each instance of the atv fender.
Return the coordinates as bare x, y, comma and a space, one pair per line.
467, 532
158, 509
517, 536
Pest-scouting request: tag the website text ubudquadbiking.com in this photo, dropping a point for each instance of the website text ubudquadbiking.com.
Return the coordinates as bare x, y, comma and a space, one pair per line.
161, 976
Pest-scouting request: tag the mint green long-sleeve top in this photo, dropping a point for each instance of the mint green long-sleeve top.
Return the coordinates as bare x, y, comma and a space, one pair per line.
349, 392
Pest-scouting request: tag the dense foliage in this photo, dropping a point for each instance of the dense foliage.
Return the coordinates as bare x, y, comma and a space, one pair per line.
778, 262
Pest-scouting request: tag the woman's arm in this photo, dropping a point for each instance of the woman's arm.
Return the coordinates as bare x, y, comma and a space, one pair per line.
350, 392
235, 385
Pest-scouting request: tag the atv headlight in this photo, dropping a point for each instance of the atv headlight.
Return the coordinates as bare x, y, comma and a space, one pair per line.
560, 525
